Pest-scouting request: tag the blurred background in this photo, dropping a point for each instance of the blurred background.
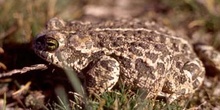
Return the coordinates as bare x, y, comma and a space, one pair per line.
22, 20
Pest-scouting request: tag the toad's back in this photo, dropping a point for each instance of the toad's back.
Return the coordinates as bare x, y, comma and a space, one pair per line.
148, 56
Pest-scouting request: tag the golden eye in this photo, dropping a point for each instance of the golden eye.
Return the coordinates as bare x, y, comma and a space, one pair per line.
51, 44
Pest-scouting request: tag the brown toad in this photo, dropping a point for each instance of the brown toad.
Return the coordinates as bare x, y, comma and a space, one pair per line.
138, 53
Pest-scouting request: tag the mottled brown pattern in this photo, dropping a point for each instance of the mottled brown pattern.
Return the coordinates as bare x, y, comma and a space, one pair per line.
143, 45
107, 64
161, 68
96, 55
135, 51
144, 69
162, 39
163, 49
141, 53
182, 79
125, 62
166, 88
152, 56
179, 64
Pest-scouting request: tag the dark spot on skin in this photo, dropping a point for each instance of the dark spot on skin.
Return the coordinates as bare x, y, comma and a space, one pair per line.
135, 51
117, 43
100, 36
144, 45
108, 64
125, 62
162, 39
134, 44
185, 47
98, 45
121, 50
150, 36
161, 48
166, 88
160, 68
120, 38
97, 55
128, 33
151, 56
175, 47
90, 81
112, 38
143, 68
138, 32
178, 64
148, 39
182, 79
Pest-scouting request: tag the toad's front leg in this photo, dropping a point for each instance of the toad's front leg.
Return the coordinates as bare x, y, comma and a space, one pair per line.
103, 75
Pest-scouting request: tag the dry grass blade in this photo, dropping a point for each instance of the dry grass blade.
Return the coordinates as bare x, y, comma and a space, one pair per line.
23, 89
24, 70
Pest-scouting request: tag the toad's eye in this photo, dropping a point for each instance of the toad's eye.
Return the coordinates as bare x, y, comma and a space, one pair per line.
51, 44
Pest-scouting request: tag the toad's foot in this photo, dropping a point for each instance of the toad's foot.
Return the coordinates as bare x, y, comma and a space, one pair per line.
209, 55
103, 75
191, 77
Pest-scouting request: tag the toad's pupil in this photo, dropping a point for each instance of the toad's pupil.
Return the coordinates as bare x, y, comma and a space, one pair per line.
50, 44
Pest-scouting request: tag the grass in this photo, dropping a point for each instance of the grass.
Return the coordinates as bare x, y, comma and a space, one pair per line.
21, 20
